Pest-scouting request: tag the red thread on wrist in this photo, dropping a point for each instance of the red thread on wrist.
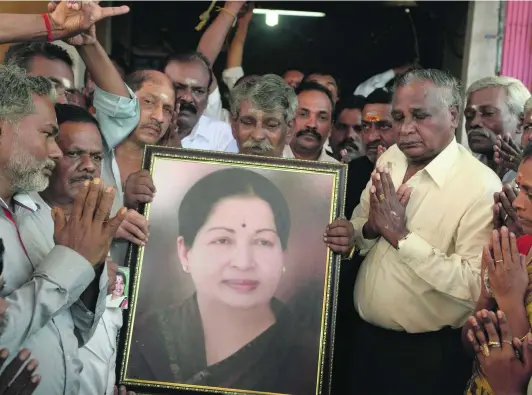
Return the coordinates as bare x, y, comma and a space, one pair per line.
48, 26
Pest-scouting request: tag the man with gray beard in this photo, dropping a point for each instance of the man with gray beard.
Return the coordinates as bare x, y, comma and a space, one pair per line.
53, 304
262, 116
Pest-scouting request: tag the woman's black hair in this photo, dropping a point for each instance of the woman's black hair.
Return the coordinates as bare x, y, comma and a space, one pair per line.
120, 274
527, 152
199, 200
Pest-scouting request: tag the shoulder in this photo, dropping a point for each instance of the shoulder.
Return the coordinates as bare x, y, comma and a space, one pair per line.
475, 173
214, 124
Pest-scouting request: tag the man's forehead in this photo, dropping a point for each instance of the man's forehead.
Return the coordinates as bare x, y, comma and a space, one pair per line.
314, 99
489, 96
418, 93
157, 88
189, 73
248, 109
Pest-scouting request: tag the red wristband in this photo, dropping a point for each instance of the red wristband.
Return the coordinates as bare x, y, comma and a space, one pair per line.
48, 26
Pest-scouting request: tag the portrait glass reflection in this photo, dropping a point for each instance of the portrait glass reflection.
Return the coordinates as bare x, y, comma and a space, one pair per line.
233, 291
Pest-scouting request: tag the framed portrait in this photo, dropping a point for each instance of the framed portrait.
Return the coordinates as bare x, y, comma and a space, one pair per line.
235, 291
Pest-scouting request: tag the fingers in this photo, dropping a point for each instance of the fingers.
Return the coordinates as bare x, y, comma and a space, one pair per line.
490, 323
487, 259
509, 193
139, 221
505, 246
516, 257
132, 233
479, 332
113, 11
504, 327
23, 379
338, 236
58, 215
377, 183
91, 202
526, 353
387, 183
12, 369
496, 246
79, 202
114, 223
406, 196
337, 223
497, 220
103, 210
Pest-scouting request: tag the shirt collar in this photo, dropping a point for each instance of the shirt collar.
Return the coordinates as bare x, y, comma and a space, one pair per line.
438, 168
23, 200
201, 129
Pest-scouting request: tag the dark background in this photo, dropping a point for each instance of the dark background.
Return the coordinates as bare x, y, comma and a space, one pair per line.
354, 41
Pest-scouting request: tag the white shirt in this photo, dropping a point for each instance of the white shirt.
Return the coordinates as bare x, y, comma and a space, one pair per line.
209, 134
375, 82
324, 157
214, 107
43, 288
433, 280
98, 355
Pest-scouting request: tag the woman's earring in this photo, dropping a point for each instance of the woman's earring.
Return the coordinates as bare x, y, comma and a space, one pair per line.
284, 269
185, 269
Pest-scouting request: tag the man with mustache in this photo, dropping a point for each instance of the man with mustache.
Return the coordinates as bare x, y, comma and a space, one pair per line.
378, 133
312, 124
81, 144
494, 108
192, 77
345, 140
263, 111
54, 303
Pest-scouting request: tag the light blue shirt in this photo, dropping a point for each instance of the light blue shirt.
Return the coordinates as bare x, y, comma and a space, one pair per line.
42, 289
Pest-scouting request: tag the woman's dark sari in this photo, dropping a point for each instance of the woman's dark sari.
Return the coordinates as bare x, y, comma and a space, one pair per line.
168, 346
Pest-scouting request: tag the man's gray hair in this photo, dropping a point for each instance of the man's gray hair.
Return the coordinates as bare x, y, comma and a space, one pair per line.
528, 105
16, 90
450, 96
516, 92
268, 93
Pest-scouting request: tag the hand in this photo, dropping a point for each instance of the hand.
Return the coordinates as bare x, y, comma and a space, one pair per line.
88, 230
139, 189
380, 150
134, 228
71, 18
112, 269
500, 365
387, 213
85, 38
234, 6
122, 391
507, 272
507, 153
23, 383
485, 292
504, 212
340, 236
245, 14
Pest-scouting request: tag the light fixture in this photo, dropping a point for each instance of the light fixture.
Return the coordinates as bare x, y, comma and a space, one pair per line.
272, 16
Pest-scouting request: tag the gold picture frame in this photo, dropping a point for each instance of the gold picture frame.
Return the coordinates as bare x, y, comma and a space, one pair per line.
248, 308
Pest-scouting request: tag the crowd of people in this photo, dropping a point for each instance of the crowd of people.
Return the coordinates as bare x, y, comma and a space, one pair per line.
435, 291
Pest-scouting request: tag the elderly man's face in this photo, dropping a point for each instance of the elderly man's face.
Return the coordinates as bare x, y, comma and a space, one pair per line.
487, 116
260, 133
424, 125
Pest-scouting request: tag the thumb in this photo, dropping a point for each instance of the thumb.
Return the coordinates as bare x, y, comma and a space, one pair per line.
115, 222
59, 218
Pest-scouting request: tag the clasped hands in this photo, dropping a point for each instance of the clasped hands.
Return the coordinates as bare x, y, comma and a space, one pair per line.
386, 215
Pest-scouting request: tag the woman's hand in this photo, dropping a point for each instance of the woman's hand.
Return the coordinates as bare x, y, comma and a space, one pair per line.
496, 354
507, 272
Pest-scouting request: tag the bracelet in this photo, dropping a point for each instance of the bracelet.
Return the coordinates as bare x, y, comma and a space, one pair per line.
524, 337
48, 26
219, 9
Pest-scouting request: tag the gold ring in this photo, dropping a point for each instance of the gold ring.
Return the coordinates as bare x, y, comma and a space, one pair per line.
494, 344
499, 261
382, 197
485, 350
508, 342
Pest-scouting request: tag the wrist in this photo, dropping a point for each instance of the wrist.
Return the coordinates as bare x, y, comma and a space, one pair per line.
398, 236
511, 305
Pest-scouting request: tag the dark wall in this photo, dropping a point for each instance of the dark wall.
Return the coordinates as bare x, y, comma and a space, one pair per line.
354, 41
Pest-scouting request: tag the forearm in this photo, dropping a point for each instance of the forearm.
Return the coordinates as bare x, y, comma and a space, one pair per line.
212, 41
102, 69
483, 303
515, 312
236, 51
25, 27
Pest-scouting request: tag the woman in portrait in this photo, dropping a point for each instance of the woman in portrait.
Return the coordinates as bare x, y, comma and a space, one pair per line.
117, 298
234, 227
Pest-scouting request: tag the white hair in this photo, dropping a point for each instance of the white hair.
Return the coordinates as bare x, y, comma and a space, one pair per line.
528, 105
450, 94
268, 93
516, 92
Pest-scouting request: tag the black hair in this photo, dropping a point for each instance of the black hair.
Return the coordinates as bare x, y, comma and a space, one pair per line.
322, 73
314, 86
136, 79
187, 57
199, 200
349, 102
21, 54
120, 274
527, 152
380, 96
72, 113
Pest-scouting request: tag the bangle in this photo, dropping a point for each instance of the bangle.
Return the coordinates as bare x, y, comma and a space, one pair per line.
524, 337
228, 12
48, 27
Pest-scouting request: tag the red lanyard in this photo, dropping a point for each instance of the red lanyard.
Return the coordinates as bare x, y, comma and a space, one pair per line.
9, 216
